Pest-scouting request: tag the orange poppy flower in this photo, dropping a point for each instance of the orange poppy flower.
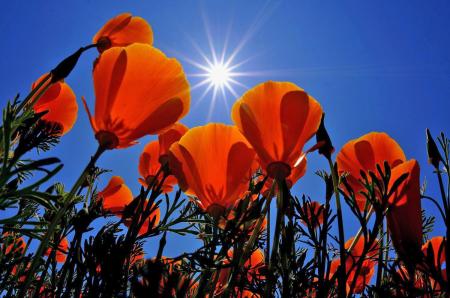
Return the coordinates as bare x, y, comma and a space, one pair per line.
438, 245
116, 195
149, 167
17, 245
168, 137
138, 91
367, 269
277, 118
363, 154
60, 256
212, 162
404, 217
123, 30
316, 217
59, 102
253, 266
154, 216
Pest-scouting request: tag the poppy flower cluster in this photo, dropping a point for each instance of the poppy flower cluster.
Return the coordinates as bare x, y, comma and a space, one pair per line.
140, 91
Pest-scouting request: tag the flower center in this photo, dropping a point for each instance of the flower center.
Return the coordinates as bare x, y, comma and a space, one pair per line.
278, 170
107, 139
103, 44
216, 210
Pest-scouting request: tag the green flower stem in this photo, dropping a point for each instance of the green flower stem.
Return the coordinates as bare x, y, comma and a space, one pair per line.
276, 240
257, 228
381, 256
342, 251
358, 234
56, 220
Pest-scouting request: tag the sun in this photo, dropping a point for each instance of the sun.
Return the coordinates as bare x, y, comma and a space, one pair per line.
219, 75
218, 68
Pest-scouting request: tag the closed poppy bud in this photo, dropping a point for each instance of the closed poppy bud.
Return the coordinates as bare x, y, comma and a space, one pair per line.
212, 162
123, 30
404, 217
60, 255
63, 69
362, 155
434, 157
139, 91
167, 138
116, 195
59, 103
149, 167
277, 119
323, 140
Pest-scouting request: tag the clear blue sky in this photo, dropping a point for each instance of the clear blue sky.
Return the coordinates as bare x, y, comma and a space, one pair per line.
380, 66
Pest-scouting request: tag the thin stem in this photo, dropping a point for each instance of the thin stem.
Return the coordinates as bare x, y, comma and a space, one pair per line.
56, 220
323, 248
380, 257
342, 251
257, 228
358, 234
437, 205
441, 187
276, 240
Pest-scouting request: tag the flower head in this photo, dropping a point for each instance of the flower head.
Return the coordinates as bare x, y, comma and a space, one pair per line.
116, 195
363, 154
277, 119
212, 162
138, 91
404, 217
149, 167
123, 30
168, 137
59, 103
367, 269
16, 246
60, 255
438, 245
150, 222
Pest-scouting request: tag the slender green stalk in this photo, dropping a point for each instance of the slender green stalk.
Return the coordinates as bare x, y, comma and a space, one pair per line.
276, 240
56, 220
359, 233
323, 249
380, 257
257, 228
342, 251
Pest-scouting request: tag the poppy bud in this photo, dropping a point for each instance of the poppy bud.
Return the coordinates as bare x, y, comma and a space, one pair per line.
326, 147
63, 69
434, 157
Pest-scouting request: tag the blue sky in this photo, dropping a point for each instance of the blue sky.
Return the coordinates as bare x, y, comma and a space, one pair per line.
380, 66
